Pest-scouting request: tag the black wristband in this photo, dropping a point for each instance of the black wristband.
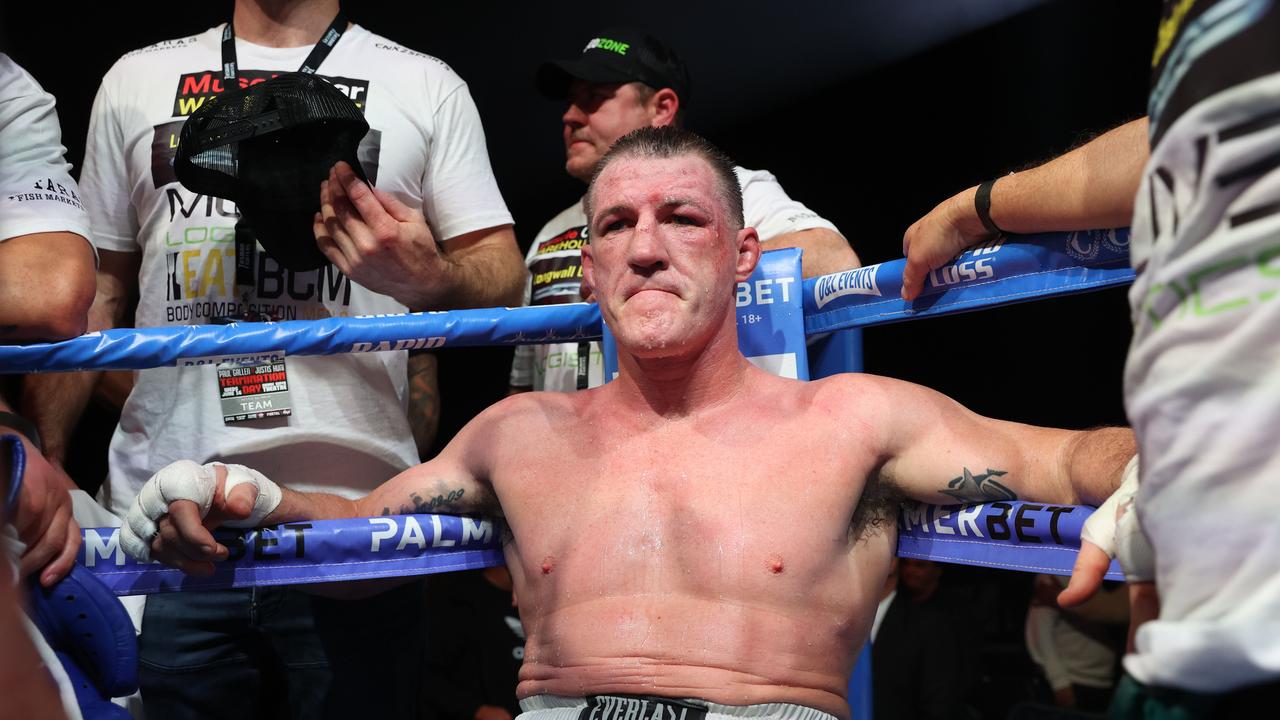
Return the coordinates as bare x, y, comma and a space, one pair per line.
24, 426
982, 203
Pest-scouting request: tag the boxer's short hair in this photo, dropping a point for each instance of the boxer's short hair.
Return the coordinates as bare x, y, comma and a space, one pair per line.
672, 142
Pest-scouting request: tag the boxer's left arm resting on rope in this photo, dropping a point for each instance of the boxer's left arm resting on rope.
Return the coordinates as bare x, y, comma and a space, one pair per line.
937, 451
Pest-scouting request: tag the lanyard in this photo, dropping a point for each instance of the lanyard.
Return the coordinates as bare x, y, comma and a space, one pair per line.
309, 66
246, 241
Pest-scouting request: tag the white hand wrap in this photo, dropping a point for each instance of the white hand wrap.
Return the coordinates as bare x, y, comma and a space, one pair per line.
185, 480
1133, 547
1114, 527
269, 494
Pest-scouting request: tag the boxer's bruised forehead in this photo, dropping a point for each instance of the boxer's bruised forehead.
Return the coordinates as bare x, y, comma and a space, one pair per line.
627, 185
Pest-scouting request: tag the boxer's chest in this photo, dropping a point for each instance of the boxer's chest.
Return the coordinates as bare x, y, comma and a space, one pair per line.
676, 510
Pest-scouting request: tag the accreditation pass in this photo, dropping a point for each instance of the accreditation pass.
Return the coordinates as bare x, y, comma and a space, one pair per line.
251, 391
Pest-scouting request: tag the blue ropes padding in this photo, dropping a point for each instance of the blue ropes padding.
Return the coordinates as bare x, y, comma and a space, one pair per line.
1001, 272
994, 274
138, 349
1020, 536
312, 551
1013, 535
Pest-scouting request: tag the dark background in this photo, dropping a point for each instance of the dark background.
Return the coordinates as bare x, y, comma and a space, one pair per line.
869, 112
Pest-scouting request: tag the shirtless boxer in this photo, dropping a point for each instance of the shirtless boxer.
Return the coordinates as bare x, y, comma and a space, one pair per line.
697, 529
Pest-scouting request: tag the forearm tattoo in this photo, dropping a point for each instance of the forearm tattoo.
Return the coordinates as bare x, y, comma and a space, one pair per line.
981, 488
424, 401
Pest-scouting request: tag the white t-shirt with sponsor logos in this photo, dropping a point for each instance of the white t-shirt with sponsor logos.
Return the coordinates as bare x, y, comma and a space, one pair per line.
37, 193
1202, 391
555, 275
347, 432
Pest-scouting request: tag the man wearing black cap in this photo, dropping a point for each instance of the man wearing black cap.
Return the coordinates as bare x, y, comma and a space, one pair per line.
190, 253
624, 80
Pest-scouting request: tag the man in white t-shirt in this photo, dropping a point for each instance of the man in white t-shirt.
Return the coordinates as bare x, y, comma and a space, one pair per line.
625, 80
46, 261
339, 424
46, 287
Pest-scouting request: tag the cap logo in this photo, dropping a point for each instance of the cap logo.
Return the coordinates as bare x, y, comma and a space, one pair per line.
601, 43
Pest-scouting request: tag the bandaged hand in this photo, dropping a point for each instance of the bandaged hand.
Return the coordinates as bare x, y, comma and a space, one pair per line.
1112, 531
176, 509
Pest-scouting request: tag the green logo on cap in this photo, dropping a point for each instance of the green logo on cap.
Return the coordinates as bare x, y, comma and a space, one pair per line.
607, 44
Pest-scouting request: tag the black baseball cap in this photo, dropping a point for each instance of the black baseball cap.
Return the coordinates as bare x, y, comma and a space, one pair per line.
267, 147
618, 55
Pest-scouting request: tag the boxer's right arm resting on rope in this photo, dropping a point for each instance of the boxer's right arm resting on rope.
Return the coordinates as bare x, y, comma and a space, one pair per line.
1092, 186
54, 401
172, 516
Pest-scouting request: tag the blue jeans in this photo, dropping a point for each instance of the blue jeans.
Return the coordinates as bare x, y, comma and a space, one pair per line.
281, 653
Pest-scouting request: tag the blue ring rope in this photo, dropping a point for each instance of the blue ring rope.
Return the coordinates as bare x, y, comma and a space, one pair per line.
996, 274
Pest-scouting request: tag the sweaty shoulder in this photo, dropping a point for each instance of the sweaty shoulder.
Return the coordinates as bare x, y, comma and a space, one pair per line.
850, 399
517, 416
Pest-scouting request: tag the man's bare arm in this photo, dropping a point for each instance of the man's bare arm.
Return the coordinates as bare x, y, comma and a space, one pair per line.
183, 537
457, 481
939, 452
487, 271
54, 401
825, 251
46, 286
1092, 186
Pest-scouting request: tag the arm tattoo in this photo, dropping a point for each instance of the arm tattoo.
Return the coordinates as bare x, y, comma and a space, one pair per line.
970, 488
424, 401
420, 504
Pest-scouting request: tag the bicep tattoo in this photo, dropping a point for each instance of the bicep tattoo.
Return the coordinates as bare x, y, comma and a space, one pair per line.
980, 488
450, 498
420, 504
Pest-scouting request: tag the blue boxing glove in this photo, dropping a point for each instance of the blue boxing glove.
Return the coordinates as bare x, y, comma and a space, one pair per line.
93, 636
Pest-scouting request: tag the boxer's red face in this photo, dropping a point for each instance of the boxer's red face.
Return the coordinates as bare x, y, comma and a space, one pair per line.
664, 256
598, 115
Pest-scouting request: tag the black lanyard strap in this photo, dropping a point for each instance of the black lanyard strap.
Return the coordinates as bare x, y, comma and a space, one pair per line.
246, 242
309, 66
